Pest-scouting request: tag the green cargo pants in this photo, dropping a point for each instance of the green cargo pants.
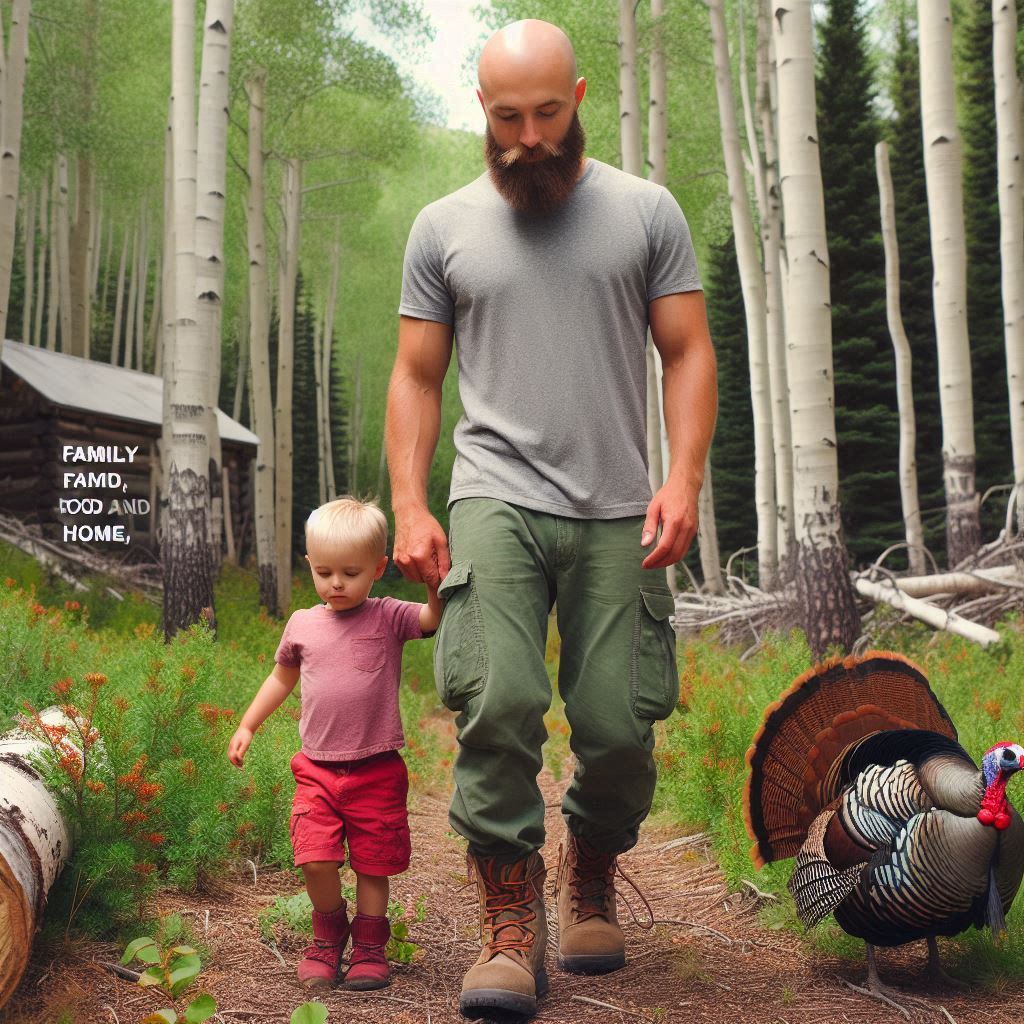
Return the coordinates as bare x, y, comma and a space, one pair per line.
617, 672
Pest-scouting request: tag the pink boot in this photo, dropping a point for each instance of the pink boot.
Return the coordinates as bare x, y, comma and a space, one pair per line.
369, 966
321, 961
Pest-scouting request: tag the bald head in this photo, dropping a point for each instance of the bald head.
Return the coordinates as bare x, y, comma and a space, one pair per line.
527, 52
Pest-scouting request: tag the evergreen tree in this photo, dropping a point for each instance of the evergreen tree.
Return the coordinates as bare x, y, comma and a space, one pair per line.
305, 489
916, 304
732, 450
984, 289
866, 422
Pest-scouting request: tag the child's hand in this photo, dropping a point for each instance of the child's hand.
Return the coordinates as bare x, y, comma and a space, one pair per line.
239, 745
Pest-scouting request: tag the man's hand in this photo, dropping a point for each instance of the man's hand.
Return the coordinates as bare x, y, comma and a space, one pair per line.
239, 745
421, 547
675, 508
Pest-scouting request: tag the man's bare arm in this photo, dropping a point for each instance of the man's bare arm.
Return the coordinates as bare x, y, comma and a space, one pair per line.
411, 430
679, 329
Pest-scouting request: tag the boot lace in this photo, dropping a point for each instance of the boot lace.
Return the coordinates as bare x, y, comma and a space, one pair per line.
594, 875
507, 908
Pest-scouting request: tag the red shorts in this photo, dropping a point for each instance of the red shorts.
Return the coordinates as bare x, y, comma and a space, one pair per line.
361, 801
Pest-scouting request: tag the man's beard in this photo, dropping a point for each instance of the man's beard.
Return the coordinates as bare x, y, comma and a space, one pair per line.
536, 186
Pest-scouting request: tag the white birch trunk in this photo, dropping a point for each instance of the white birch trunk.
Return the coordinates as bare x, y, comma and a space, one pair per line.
289, 267
327, 346
243, 361
29, 260
44, 240
133, 292
35, 843
12, 79
259, 353
53, 299
629, 93
142, 274
64, 254
752, 284
942, 166
210, 191
115, 338
96, 248
707, 538
80, 259
826, 598
771, 237
1011, 226
105, 269
904, 380
165, 337
184, 549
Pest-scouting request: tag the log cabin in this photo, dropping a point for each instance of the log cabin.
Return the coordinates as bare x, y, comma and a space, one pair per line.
75, 432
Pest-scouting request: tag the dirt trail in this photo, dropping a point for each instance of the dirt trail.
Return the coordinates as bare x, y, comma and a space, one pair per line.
706, 959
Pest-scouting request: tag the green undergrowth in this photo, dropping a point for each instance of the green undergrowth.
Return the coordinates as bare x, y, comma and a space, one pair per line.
155, 801
702, 770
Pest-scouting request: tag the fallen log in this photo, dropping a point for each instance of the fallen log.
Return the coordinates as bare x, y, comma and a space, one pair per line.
937, 618
963, 584
34, 846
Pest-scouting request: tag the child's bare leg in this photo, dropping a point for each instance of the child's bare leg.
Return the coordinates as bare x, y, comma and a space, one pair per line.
323, 883
372, 895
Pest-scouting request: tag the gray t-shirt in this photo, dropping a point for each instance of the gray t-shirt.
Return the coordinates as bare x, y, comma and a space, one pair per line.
550, 321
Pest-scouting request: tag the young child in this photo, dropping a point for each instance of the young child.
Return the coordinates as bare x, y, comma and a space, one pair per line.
351, 782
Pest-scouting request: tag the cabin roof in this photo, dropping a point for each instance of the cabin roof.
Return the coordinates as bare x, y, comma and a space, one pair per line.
84, 384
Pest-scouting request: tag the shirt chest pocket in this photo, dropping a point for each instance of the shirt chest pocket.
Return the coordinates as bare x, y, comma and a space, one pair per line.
368, 653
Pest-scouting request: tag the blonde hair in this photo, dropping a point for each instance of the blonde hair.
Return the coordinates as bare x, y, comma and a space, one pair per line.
348, 522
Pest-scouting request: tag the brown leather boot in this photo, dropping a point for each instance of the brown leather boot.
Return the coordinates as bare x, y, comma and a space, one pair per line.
590, 940
509, 974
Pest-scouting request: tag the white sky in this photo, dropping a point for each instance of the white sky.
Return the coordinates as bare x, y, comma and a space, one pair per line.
441, 67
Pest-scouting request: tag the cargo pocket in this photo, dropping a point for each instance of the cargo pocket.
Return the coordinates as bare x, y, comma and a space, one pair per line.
300, 811
460, 657
654, 680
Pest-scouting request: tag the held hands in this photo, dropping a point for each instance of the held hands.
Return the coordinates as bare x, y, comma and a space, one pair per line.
421, 547
239, 745
675, 508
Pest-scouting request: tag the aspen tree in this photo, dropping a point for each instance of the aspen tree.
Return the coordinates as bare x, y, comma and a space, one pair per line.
259, 352
12, 92
753, 286
904, 381
943, 172
1011, 226
184, 548
825, 593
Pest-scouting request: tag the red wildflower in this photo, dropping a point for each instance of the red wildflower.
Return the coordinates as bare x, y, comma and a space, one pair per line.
95, 786
95, 680
134, 818
62, 687
144, 868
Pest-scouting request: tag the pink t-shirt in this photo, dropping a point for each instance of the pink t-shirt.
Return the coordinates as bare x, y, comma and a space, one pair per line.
350, 662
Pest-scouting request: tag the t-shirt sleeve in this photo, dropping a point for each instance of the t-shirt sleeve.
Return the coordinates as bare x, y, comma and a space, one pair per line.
673, 264
424, 292
288, 651
403, 618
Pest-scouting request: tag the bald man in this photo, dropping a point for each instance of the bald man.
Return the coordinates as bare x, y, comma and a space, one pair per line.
547, 272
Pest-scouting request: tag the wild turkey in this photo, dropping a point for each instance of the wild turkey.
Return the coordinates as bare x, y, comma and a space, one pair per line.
857, 773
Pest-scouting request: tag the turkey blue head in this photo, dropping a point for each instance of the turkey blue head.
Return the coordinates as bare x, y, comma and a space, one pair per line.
998, 764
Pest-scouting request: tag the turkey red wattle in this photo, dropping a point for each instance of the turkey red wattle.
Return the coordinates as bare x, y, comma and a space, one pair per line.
1000, 762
